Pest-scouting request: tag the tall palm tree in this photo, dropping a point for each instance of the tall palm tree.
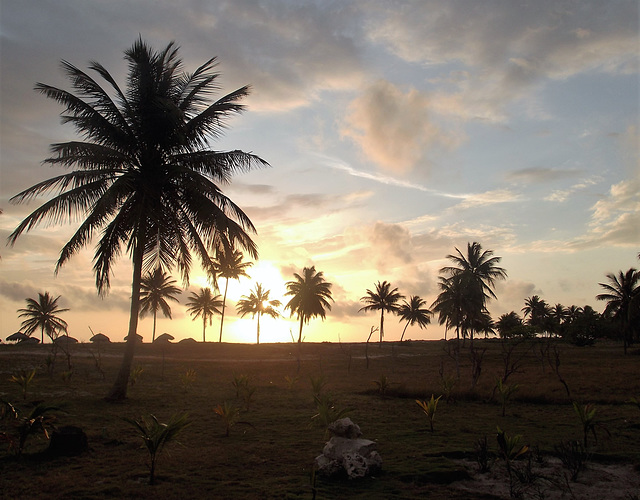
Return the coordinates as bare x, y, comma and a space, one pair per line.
474, 276
414, 312
257, 303
384, 298
155, 289
508, 324
621, 294
143, 175
310, 296
43, 313
228, 265
450, 305
204, 304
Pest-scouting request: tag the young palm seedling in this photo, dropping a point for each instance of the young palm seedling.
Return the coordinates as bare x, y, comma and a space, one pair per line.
326, 410
505, 391
23, 378
383, 385
155, 435
187, 379
587, 416
240, 383
318, 385
230, 415
429, 408
510, 449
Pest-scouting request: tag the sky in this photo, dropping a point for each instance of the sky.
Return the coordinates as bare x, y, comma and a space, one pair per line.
396, 132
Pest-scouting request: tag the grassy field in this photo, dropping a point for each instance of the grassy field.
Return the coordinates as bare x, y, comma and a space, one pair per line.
272, 455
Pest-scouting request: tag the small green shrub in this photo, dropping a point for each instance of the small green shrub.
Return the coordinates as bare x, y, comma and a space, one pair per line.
134, 376
187, 379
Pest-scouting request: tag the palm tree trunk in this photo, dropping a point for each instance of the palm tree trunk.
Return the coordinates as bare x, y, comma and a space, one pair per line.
119, 389
300, 335
204, 327
381, 326
153, 337
258, 334
224, 302
404, 330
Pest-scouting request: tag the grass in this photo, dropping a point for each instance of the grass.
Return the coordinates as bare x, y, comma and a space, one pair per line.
273, 457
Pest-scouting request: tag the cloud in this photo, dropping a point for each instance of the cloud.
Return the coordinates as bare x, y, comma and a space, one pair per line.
393, 128
538, 175
501, 54
561, 195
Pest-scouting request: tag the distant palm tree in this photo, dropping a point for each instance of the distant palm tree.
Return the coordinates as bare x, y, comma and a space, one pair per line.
43, 313
310, 296
143, 175
414, 312
155, 289
384, 298
257, 303
508, 323
473, 276
537, 313
558, 316
621, 294
204, 304
228, 265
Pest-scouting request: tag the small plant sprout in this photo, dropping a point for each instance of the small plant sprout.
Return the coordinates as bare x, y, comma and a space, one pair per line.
136, 373
505, 391
327, 411
291, 381
429, 408
383, 385
318, 385
509, 446
23, 378
448, 384
187, 379
155, 435
635, 401
587, 416
229, 414
240, 382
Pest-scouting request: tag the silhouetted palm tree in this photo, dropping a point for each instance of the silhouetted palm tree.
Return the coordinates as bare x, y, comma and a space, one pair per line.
155, 289
414, 312
228, 265
508, 324
143, 176
450, 305
621, 294
257, 303
558, 316
43, 313
537, 313
383, 299
204, 304
473, 276
310, 296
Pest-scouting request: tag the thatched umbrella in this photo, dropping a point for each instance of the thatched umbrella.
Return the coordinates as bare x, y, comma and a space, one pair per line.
100, 337
138, 338
165, 338
17, 337
65, 339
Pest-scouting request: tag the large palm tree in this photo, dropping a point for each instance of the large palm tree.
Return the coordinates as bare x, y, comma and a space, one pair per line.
473, 275
143, 175
414, 312
257, 303
228, 265
204, 304
43, 313
621, 294
384, 298
310, 296
155, 289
